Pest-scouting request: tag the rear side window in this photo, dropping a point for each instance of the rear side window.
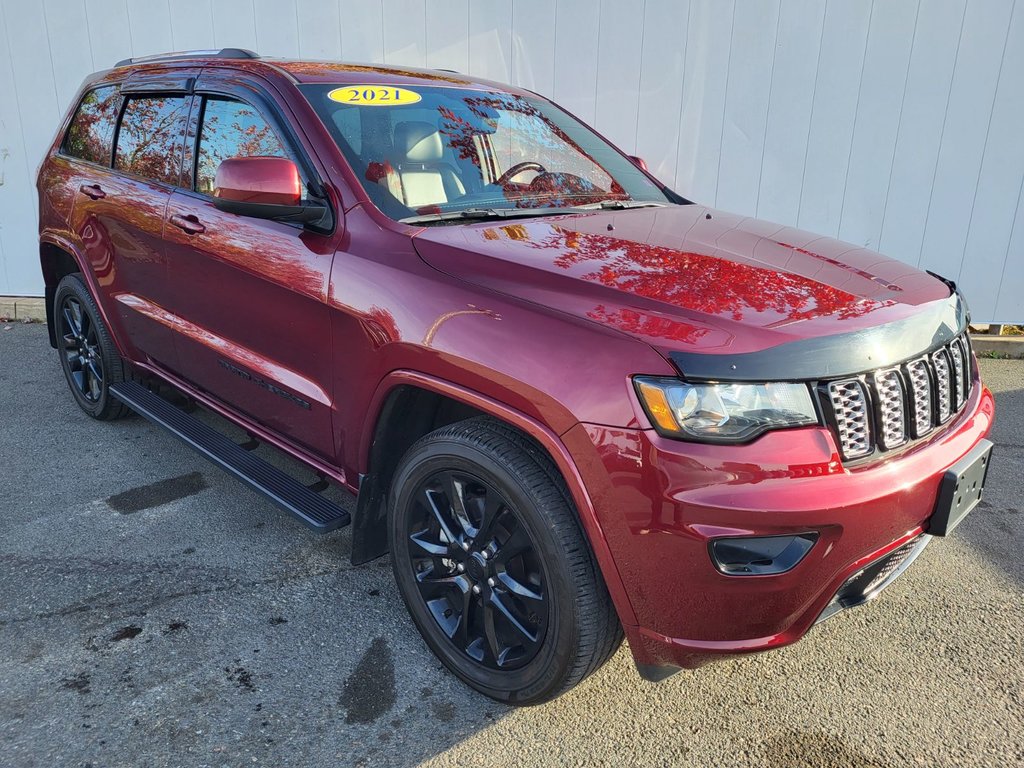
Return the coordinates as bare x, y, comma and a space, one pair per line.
231, 129
92, 130
151, 137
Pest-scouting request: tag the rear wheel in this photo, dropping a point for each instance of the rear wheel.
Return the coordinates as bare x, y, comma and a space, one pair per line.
493, 566
87, 353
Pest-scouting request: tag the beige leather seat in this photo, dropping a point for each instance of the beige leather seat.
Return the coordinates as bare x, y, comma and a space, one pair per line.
424, 178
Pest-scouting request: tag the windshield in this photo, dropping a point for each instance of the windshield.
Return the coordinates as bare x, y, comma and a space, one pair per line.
430, 153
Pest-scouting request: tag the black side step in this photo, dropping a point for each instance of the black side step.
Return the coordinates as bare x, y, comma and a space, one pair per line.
319, 513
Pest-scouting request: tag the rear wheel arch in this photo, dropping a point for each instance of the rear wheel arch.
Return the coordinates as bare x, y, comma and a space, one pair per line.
57, 263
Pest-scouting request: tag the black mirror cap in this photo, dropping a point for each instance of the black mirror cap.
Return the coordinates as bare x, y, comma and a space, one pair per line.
317, 216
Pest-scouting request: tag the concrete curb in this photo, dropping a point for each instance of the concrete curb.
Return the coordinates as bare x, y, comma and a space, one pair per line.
22, 308
998, 346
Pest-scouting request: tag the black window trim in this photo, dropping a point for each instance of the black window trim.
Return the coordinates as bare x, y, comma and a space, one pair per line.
61, 148
142, 94
256, 97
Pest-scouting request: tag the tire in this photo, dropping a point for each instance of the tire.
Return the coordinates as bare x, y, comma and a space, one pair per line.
88, 355
551, 622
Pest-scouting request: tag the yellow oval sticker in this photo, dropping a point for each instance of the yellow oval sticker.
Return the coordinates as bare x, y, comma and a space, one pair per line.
374, 95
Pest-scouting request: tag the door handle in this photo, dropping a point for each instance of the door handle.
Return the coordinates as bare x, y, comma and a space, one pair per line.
92, 190
189, 223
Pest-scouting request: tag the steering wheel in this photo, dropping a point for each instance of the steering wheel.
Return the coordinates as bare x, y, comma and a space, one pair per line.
515, 170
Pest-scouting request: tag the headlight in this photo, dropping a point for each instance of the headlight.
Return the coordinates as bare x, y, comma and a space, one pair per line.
723, 413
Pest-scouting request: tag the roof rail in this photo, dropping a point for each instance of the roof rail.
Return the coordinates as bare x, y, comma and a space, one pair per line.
215, 53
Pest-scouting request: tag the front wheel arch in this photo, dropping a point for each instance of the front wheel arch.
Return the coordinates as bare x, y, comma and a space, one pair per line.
369, 525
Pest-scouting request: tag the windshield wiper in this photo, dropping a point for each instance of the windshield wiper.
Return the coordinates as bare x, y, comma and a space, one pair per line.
483, 214
616, 205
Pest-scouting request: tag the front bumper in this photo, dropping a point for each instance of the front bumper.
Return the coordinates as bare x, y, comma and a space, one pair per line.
660, 502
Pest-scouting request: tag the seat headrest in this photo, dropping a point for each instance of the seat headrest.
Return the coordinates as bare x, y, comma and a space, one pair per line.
417, 142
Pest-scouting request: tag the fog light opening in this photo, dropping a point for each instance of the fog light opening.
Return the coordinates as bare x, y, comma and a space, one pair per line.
760, 555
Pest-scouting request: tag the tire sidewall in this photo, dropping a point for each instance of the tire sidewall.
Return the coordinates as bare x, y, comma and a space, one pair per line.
545, 672
73, 285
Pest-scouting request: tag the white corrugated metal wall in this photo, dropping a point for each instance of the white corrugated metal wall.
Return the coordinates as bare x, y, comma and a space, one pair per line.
896, 124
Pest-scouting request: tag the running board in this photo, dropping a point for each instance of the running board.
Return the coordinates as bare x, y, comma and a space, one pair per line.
319, 513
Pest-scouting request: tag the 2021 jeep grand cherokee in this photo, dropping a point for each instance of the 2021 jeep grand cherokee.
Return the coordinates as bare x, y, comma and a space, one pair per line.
571, 403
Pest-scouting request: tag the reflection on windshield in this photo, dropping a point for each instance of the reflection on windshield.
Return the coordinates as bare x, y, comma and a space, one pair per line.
477, 151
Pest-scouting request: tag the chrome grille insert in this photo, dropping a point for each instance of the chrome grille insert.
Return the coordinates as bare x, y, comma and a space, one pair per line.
921, 396
943, 385
892, 417
959, 376
849, 405
886, 408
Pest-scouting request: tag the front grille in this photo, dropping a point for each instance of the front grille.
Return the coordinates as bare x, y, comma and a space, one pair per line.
886, 408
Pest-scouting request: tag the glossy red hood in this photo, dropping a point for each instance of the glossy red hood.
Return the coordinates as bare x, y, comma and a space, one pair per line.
685, 278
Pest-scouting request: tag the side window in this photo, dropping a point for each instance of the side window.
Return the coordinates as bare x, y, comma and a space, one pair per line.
151, 137
231, 129
92, 129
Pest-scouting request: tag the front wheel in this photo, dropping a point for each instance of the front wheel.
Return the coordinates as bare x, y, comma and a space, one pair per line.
493, 566
87, 352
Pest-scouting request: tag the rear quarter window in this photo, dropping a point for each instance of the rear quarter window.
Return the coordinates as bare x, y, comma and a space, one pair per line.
91, 132
151, 137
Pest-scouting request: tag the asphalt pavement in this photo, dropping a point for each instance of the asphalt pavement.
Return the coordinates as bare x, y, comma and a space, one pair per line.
153, 612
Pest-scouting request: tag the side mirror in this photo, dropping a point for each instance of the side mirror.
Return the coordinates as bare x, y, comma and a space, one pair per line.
263, 187
639, 162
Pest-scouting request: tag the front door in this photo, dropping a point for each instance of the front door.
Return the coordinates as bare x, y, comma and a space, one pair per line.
254, 327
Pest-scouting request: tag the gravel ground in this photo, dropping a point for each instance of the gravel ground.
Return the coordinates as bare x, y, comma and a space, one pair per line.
191, 623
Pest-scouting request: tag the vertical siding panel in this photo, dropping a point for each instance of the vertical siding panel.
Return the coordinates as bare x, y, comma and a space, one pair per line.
72, 60
661, 86
362, 31
490, 41
832, 115
12, 159
150, 26
533, 45
987, 253
963, 136
319, 26
109, 33
234, 24
448, 34
192, 25
577, 28
405, 41
754, 36
708, 39
917, 142
29, 114
618, 72
276, 28
1009, 306
789, 110
877, 120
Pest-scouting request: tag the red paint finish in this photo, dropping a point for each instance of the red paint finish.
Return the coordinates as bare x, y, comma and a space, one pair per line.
300, 333
264, 180
659, 503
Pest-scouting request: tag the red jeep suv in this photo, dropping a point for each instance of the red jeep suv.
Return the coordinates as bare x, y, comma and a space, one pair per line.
572, 404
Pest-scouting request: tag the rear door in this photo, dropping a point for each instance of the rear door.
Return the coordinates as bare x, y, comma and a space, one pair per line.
119, 211
251, 293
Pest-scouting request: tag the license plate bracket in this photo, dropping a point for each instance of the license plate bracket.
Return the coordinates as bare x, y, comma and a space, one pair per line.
961, 489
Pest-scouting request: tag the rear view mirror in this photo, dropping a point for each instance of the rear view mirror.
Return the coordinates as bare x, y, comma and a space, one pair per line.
262, 187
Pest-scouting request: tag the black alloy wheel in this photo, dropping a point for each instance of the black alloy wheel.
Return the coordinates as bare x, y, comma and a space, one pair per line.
77, 338
477, 569
491, 561
88, 357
